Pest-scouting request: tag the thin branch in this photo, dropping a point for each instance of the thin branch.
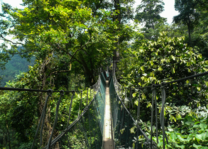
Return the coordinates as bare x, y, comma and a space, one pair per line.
10, 40
81, 49
72, 55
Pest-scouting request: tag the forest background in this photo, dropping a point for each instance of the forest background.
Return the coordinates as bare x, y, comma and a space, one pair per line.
67, 41
18, 64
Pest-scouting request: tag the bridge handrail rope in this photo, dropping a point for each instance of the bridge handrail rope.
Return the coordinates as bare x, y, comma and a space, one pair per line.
178, 80
31, 90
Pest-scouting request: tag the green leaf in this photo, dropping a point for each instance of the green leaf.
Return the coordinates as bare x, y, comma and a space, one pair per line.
136, 102
198, 88
122, 130
202, 136
181, 139
149, 104
151, 63
173, 57
134, 94
173, 70
172, 118
173, 136
132, 129
178, 116
142, 68
203, 125
160, 68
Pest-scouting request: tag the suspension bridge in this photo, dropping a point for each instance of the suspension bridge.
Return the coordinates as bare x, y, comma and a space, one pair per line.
106, 121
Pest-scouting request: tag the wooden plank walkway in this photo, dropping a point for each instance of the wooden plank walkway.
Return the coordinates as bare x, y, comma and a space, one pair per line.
107, 134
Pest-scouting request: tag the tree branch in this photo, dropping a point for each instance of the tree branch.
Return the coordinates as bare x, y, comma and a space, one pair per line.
11, 41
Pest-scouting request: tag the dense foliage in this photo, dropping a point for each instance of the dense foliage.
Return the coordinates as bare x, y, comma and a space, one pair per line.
165, 60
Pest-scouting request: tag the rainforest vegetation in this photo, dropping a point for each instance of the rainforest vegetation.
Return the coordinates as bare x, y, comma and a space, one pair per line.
13, 67
66, 42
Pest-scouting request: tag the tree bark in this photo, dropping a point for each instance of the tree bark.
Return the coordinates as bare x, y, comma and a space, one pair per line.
189, 32
47, 128
118, 17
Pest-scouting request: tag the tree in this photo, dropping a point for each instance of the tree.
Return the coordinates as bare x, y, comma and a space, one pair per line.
200, 33
148, 12
188, 14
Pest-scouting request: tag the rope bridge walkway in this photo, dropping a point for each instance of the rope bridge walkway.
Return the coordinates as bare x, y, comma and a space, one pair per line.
107, 132
106, 122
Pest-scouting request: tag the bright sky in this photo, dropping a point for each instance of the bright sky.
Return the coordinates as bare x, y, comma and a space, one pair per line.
169, 12
14, 3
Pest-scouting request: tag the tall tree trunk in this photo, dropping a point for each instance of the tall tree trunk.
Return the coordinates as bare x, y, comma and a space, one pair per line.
47, 128
118, 17
189, 32
189, 36
117, 8
88, 71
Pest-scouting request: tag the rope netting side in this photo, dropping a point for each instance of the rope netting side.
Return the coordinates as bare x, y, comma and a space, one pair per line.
125, 127
86, 130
